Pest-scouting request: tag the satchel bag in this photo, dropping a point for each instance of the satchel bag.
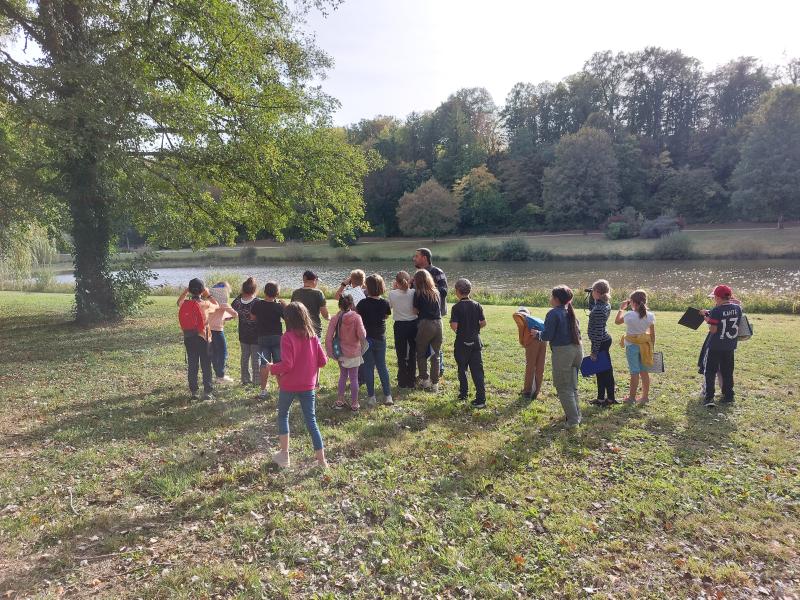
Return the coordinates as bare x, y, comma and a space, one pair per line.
745, 329
658, 363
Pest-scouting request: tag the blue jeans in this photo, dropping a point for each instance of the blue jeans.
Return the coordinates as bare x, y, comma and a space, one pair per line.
307, 403
219, 352
375, 357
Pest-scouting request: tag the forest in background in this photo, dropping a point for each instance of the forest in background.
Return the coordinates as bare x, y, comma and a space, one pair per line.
630, 138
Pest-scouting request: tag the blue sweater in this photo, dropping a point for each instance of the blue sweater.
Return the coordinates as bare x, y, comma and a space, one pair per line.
597, 325
556, 327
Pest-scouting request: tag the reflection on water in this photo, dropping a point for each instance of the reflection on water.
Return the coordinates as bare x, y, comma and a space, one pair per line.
780, 276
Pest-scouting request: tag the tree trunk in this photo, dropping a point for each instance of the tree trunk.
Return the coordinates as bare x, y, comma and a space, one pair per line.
91, 232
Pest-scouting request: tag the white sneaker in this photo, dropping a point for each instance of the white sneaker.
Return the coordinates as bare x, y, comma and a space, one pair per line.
372, 401
281, 459
387, 400
225, 379
426, 384
434, 387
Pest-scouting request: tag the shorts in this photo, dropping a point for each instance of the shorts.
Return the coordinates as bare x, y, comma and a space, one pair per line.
634, 356
269, 349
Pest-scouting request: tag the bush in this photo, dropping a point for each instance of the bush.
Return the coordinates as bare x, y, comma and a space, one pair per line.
480, 250
515, 249
131, 285
749, 249
248, 255
659, 227
676, 246
619, 231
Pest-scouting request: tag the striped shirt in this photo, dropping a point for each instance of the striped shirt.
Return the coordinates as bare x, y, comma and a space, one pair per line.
597, 325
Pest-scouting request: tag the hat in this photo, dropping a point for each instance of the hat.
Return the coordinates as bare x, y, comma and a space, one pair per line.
522, 309
721, 291
309, 276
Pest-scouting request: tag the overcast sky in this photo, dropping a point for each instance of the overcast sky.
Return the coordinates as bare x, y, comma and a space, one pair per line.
395, 56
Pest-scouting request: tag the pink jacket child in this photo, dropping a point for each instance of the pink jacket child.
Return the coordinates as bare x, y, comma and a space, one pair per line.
351, 335
300, 359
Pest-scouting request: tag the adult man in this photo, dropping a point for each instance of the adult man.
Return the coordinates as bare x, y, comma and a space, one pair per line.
422, 260
313, 299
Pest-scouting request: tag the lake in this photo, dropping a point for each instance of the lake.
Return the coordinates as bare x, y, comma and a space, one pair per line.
778, 276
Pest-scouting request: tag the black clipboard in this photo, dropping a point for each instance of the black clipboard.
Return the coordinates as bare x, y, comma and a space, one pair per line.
692, 318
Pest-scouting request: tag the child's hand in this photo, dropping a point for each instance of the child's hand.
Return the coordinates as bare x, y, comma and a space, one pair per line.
624, 305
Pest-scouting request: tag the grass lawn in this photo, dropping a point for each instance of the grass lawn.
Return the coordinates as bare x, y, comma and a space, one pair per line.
113, 485
757, 241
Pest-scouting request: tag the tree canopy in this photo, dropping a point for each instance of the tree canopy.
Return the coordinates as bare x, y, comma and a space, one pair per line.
190, 120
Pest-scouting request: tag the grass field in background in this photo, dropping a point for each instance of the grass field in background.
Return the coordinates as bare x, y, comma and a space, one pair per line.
113, 485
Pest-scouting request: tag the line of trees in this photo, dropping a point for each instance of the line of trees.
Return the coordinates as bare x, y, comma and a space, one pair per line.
646, 133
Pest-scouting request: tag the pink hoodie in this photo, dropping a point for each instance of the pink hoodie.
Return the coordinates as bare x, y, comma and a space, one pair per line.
350, 334
300, 359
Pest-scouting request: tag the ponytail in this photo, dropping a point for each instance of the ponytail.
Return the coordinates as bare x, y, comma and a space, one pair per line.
564, 295
640, 297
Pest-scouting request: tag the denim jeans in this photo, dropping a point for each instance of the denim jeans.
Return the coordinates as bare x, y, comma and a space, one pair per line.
375, 357
198, 357
269, 349
219, 352
307, 403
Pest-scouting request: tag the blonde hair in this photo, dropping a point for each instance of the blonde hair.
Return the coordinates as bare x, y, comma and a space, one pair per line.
357, 278
403, 280
602, 287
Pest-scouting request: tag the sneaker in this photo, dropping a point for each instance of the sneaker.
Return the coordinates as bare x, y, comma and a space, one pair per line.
195, 396
372, 401
434, 388
709, 403
727, 401
597, 402
207, 396
224, 379
461, 398
478, 403
263, 394
354, 406
388, 401
339, 404
425, 384
612, 401
281, 459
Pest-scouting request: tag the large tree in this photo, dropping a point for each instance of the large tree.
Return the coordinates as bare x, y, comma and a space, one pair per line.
581, 189
186, 118
767, 178
482, 206
430, 210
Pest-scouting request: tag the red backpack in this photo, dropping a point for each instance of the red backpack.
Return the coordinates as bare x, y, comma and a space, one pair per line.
190, 317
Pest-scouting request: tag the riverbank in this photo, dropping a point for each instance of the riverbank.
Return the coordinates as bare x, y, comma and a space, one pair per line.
120, 488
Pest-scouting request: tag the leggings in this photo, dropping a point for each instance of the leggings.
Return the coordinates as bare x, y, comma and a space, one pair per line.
344, 374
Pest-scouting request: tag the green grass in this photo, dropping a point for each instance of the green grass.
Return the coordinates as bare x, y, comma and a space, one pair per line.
425, 498
755, 242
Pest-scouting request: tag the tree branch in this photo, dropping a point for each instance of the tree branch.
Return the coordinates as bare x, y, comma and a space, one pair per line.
26, 23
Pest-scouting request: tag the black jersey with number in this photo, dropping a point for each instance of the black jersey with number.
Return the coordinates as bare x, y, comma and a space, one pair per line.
726, 317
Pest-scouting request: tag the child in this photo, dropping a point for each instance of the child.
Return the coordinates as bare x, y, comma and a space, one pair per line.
301, 356
267, 314
374, 310
313, 299
535, 354
723, 329
401, 301
639, 341
352, 338
467, 320
601, 340
701, 361
353, 285
216, 323
561, 329
429, 328
248, 332
193, 317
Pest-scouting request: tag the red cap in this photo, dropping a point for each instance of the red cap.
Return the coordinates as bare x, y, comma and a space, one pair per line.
721, 291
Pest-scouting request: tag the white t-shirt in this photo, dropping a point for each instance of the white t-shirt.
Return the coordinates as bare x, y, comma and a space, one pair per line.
402, 302
635, 325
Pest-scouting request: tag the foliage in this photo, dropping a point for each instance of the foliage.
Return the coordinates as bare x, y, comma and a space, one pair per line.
248, 255
694, 195
482, 206
675, 246
430, 210
767, 179
624, 225
479, 250
581, 189
659, 227
515, 249
131, 285
190, 121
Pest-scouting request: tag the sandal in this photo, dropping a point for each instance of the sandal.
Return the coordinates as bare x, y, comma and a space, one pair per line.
339, 404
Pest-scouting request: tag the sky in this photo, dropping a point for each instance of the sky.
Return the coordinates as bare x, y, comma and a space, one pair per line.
393, 57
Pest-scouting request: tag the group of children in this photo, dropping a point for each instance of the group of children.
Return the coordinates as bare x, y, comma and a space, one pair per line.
356, 339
